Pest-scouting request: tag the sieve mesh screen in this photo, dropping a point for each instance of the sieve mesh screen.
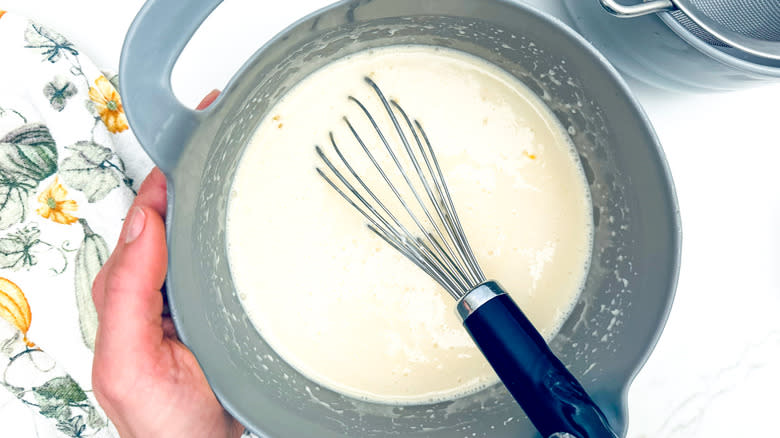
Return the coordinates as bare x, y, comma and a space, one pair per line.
756, 19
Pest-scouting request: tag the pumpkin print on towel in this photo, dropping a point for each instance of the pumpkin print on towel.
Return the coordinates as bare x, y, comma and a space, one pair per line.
14, 307
69, 168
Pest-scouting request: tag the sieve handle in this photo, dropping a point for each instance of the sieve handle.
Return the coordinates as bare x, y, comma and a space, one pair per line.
555, 402
153, 44
618, 9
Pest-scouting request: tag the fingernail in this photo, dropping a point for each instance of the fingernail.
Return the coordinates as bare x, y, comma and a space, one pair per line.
135, 224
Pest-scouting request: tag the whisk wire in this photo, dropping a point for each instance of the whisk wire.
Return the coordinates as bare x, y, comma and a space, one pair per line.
456, 270
452, 215
422, 263
400, 235
363, 184
461, 268
385, 225
386, 232
459, 240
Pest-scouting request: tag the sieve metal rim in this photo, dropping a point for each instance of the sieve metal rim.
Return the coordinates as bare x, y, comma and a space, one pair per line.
739, 46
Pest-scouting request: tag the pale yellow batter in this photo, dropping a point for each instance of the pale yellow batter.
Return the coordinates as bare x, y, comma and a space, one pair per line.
346, 309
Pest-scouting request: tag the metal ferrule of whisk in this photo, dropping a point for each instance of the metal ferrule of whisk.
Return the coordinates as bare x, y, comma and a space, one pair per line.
430, 234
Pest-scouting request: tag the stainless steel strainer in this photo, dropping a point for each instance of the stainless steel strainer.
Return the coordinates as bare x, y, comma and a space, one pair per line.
685, 45
745, 29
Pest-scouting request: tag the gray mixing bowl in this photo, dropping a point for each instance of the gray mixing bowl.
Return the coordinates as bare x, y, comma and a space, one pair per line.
637, 238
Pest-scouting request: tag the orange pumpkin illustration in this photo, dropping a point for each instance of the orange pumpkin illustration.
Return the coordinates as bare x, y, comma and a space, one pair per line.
14, 307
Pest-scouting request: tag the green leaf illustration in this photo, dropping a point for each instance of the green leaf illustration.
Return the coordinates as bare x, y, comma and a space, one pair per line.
62, 388
91, 169
14, 192
94, 419
53, 408
73, 427
51, 44
58, 91
28, 151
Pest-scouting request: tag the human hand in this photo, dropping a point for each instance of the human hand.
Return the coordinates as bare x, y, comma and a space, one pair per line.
146, 380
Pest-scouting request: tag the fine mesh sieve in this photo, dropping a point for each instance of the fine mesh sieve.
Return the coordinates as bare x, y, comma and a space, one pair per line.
746, 29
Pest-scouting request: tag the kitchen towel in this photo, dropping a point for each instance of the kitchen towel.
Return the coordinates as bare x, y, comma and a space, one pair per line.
69, 168
69, 171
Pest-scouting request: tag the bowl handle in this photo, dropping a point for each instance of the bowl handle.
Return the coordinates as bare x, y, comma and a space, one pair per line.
618, 9
153, 44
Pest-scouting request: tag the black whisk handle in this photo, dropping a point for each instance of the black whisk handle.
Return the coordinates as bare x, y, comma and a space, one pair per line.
549, 394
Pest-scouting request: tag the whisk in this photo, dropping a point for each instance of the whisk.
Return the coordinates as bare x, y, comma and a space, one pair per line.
431, 236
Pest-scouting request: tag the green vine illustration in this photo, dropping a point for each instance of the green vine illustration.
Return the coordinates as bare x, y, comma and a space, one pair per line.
60, 398
53, 44
53, 47
3, 111
17, 250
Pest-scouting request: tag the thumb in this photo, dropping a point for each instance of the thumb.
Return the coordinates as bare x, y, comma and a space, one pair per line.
131, 317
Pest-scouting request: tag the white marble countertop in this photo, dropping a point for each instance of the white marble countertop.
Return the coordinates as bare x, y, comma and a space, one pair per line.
714, 371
